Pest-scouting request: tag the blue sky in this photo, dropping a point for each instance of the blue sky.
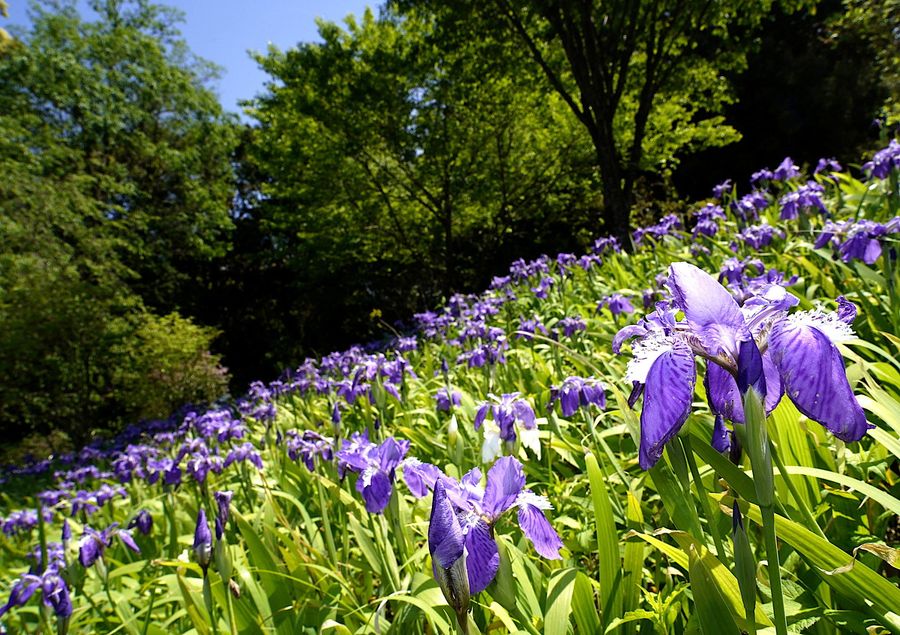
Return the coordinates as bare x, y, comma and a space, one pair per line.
224, 30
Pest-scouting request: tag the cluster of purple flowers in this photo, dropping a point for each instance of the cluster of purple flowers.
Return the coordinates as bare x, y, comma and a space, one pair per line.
665, 227
446, 399
49, 580
707, 220
884, 161
805, 197
744, 329
750, 205
308, 446
23, 521
857, 239
528, 328
577, 392
759, 236
570, 325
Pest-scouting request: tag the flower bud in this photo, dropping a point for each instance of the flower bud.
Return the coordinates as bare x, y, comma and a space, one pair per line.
202, 541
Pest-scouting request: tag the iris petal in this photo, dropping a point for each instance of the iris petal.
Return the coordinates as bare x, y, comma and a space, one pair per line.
667, 401
721, 437
505, 482
482, 556
725, 398
539, 531
812, 370
376, 491
712, 312
419, 476
445, 536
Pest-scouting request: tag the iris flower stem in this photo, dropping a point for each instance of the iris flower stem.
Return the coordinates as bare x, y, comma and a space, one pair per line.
760, 451
704, 499
768, 524
208, 601
329, 538
149, 610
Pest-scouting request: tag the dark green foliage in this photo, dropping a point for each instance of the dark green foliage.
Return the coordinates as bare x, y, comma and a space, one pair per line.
401, 162
814, 84
116, 189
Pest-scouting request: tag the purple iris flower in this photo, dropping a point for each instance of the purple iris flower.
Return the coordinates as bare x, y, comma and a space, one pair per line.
202, 541
884, 161
54, 592
749, 205
857, 240
541, 290
577, 392
508, 413
830, 165
570, 325
666, 225
565, 261
734, 270
446, 543
723, 188
308, 446
475, 511
786, 170
527, 329
93, 543
223, 505
375, 465
447, 399
244, 452
143, 521
761, 176
803, 198
759, 236
587, 261
707, 220
616, 303
606, 243
757, 344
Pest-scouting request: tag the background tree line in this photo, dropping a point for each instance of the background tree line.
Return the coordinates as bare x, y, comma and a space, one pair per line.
148, 239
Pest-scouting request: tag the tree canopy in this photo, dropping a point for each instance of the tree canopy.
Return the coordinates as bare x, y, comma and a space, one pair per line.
116, 190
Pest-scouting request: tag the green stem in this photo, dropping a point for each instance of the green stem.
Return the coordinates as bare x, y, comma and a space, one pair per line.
208, 601
329, 538
760, 451
149, 610
704, 499
774, 566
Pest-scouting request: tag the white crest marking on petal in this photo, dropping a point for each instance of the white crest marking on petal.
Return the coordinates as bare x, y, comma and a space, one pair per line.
645, 353
368, 474
527, 497
828, 323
